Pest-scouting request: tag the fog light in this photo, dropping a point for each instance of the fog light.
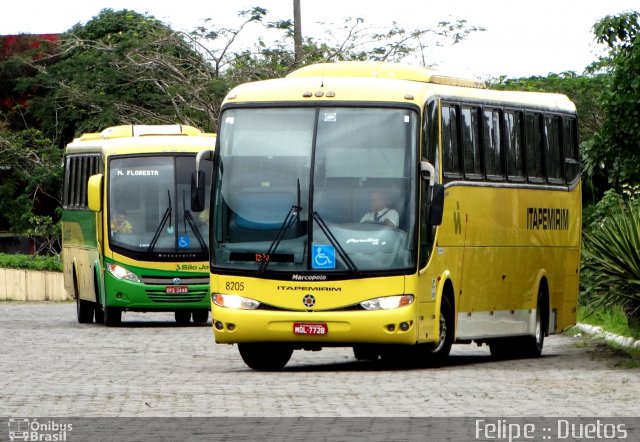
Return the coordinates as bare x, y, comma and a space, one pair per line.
218, 325
231, 327
391, 327
404, 326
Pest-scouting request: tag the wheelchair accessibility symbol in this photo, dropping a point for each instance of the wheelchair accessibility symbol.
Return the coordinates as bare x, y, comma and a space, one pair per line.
184, 241
323, 257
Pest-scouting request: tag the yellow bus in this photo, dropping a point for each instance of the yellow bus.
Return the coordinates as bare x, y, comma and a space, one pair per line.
395, 210
129, 238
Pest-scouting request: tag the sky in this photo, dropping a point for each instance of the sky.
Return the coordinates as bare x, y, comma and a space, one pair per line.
522, 39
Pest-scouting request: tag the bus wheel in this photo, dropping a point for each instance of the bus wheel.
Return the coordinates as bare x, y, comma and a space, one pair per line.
265, 357
112, 316
84, 310
524, 346
442, 348
200, 316
365, 353
97, 308
99, 313
531, 346
183, 317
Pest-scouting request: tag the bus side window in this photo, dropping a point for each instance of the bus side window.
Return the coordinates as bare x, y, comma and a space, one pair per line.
570, 144
533, 140
554, 155
450, 145
492, 136
514, 145
471, 143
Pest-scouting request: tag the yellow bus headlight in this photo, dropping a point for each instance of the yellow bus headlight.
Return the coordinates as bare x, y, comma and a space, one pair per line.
234, 301
122, 273
387, 302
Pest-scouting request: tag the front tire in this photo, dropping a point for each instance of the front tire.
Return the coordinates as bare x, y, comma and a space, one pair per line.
265, 357
84, 310
200, 316
442, 348
112, 316
366, 353
183, 317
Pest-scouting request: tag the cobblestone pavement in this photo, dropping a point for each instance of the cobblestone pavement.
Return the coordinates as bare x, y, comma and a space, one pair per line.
52, 366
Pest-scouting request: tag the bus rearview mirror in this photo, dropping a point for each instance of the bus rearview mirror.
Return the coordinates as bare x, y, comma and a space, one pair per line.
198, 191
436, 204
94, 193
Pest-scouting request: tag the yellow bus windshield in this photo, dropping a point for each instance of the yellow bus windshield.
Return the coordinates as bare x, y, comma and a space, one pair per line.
316, 190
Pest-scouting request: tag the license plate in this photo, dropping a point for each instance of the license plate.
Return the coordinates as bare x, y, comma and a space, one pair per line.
175, 289
303, 328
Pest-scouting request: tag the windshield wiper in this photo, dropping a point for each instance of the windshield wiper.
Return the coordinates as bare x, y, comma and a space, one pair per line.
188, 218
292, 216
165, 217
334, 242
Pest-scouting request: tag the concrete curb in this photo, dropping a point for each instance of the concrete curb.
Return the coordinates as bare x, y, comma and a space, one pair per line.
30, 285
623, 341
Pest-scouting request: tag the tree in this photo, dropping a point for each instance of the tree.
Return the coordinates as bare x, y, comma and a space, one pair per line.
30, 190
616, 147
121, 67
353, 40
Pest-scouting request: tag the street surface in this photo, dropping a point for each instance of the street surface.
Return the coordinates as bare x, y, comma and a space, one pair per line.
53, 366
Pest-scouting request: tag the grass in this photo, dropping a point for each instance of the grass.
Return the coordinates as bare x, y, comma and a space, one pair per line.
29, 262
611, 319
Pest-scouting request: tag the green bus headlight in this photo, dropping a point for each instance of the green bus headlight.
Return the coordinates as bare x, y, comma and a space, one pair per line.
122, 273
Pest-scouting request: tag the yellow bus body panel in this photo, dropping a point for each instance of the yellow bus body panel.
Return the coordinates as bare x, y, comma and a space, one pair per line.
334, 298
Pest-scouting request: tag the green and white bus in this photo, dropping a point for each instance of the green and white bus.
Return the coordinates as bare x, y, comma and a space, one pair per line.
130, 241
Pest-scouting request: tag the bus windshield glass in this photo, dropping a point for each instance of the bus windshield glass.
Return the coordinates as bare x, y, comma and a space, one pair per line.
149, 208
316, 190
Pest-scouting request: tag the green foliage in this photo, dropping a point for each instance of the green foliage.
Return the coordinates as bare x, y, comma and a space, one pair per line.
612, 319
31, 186
594, 215
28, 262
121, 67
611, 262
616, 148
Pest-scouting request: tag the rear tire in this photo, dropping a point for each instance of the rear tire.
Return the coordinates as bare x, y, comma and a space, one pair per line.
523, 346
531, 346
265, 356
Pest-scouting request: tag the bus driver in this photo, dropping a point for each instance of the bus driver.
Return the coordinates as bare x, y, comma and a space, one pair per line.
380, 213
